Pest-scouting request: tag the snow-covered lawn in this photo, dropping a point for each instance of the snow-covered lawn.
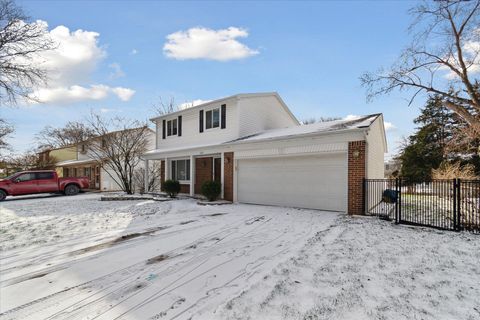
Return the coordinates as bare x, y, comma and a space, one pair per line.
81, 258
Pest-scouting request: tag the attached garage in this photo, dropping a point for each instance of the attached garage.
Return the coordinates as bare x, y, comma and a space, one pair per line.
308, 181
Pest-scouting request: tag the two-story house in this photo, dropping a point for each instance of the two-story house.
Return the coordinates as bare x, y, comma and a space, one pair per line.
260, 153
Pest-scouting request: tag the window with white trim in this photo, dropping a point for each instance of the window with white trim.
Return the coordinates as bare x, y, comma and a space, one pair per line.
180, 170
212, 118
172, 127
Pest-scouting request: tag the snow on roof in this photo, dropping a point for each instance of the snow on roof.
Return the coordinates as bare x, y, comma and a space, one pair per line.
319, 127
73, 162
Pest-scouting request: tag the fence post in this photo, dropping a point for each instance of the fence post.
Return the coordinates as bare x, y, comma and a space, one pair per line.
459, 204
396, 200
364, 191
455, 213
399, 205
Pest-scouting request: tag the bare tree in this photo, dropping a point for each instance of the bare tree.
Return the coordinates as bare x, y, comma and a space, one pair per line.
164, 106
153, 178
118, 147
5, 130
21, 42
321, 119
29, 160
443, 58
72, 133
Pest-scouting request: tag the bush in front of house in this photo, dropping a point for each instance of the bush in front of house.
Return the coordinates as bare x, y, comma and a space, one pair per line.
171, 187
211, 190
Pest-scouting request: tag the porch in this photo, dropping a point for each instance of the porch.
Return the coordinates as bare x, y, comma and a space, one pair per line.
79, 168
193, 170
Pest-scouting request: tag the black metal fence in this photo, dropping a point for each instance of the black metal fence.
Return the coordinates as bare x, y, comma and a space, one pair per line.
444, 204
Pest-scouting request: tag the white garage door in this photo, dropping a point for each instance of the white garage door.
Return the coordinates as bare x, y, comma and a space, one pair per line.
317, 182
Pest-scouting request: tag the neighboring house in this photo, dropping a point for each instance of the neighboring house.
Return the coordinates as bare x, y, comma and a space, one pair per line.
255, 147
84, 164
52, 156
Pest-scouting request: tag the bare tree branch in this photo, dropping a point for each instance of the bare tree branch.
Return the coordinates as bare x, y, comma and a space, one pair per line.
118, 147
21, 42
441, 59
71, 134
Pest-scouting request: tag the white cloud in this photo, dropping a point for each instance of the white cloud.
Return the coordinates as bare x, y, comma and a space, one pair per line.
204, 43
117, 71
123, 94
75, 57
133, 52
388, 125
76, 93
70, 67
471, 56
107, 110
351, 117
193, 103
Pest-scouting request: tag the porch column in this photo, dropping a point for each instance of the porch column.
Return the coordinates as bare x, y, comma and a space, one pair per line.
222, 173
147, 178
167, 176
192, 176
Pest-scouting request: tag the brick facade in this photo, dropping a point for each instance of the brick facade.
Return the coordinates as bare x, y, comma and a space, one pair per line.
185, 188
203, 172
162, 174
228, 167
356, 173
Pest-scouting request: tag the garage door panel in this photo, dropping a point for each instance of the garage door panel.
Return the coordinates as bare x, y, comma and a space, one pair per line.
317, 182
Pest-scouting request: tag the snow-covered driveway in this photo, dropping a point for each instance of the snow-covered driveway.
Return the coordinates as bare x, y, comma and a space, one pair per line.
80, 258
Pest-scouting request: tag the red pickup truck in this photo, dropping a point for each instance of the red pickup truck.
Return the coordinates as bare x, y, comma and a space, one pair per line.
41, 181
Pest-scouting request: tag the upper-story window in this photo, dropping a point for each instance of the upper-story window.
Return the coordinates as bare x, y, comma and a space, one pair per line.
83, 148
212, 118
172, 127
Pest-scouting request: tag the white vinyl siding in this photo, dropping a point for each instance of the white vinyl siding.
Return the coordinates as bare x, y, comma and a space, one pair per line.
190, 129
375, 151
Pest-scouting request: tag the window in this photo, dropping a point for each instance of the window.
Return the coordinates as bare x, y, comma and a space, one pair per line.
181, 170
25, 177
83, 148
212, 119
44, 175
65, 172
172, 127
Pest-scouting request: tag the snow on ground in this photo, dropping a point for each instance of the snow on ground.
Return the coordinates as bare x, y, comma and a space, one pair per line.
81, 258
364, 268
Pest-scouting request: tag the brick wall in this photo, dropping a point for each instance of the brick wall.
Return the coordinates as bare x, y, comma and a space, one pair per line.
203, 172
162, 174
185, 188
228, 167
356, 173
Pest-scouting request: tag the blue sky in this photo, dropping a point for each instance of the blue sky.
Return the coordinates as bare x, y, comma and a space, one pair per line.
311, 53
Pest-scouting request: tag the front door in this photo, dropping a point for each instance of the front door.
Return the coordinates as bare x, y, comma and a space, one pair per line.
217, 170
